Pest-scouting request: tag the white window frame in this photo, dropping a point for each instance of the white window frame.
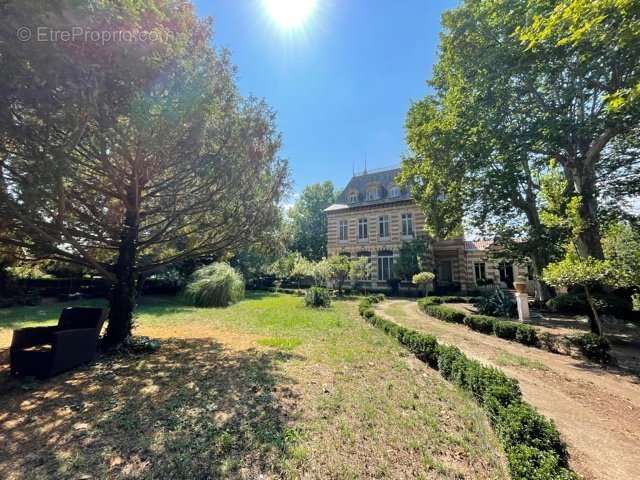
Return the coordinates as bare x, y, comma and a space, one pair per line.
353, 197
372, 194
395, 192
407, 225
343, 230
383, 227
363, 229
385, 267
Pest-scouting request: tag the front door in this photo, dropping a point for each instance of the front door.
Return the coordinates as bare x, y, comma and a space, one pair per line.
444, 271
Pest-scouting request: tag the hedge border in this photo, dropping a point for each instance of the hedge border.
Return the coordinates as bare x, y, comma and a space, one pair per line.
532, 442
505, 329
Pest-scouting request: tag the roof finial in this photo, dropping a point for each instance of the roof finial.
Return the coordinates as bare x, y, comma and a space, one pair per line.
365, 163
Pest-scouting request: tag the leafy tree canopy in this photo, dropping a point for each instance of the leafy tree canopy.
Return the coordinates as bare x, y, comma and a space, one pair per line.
309, 225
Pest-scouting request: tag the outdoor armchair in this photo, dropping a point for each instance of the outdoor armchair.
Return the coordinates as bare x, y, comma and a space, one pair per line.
46, 351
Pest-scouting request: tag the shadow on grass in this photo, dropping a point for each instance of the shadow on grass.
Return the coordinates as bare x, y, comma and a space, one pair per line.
191, 410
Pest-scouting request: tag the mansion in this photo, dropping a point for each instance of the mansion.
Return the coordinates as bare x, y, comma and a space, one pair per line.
372, 218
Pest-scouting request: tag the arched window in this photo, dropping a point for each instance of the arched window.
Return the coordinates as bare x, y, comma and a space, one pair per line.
353, 197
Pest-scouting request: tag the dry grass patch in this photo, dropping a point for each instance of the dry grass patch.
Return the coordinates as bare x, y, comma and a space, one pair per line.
265, 387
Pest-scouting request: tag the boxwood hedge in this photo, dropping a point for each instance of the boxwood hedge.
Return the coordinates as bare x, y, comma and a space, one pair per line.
532, 443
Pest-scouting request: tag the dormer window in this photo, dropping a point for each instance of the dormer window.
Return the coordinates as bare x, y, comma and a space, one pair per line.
372, 194
353, 197
395, 192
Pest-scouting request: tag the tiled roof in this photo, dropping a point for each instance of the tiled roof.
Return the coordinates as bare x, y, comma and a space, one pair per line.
359, 183
477, 244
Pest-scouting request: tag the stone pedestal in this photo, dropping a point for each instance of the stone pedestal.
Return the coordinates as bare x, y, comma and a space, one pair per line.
522, 300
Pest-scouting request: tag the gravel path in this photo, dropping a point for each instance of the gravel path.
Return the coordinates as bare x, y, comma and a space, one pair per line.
597, 411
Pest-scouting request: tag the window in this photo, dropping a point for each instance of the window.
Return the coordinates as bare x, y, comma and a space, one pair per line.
343, 228
481, 271
363, 231
407, 225
385, 265
395, 192
353, 197
383, 226
372, 194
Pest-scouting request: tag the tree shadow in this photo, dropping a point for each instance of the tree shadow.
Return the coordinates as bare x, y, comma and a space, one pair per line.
191, 410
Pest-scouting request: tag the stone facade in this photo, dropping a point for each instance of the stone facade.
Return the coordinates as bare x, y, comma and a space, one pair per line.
373, 217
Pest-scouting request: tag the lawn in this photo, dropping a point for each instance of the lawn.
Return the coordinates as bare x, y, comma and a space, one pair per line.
265, 387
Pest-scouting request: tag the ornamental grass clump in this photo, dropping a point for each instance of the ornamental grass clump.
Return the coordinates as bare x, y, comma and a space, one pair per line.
216, 285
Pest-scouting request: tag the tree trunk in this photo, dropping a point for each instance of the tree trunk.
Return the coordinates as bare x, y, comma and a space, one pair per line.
582, 179
123, 293
594, 318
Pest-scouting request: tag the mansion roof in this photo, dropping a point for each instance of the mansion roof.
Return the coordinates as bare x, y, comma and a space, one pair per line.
370, 188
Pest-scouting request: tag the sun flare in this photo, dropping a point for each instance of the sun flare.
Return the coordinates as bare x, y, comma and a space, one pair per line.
289, 14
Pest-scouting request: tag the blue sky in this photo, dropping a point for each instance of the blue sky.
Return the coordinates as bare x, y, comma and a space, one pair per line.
342, 84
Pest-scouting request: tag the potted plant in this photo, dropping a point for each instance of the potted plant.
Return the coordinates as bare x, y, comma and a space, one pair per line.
520, 284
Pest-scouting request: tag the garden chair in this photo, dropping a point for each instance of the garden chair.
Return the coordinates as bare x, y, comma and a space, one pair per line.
46, 351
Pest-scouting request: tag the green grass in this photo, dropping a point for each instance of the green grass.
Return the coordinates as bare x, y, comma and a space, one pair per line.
280, 343
265, 386
506, 359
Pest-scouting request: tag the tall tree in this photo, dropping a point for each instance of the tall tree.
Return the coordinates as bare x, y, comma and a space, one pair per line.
309, 222
127, 157
503, 105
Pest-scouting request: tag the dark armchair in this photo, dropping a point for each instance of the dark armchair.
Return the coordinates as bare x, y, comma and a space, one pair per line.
46, 351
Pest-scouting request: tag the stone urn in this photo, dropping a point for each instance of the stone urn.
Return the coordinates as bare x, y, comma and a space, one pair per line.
520, 286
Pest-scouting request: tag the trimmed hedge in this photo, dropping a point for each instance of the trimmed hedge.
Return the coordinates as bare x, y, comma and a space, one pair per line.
441, 312
532, 443
480, 323
518, 332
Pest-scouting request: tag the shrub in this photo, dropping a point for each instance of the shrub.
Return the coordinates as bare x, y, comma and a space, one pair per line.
526, 335
318, 297
216, 285
429, 301
529, 463
521, 424
423, 346
576, 304
376, 297
592, 346
480, 323
506, 330
444, 313
498, 304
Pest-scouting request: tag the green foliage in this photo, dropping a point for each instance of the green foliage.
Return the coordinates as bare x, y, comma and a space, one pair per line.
480, 323
497, 304
575, 303
573, 270
410, 260
506, 330
520, 424
216, 285
594, 347
339, 267
527, 335
621, 245
309, 224
529, 463
441, 312
143, 153
317, 297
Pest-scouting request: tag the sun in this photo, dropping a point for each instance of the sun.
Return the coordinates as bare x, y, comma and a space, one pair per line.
289, 14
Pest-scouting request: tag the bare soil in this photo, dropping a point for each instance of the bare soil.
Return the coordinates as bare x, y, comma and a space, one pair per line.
596, 409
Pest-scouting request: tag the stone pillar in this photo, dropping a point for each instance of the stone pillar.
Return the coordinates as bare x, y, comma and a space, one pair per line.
522, 300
